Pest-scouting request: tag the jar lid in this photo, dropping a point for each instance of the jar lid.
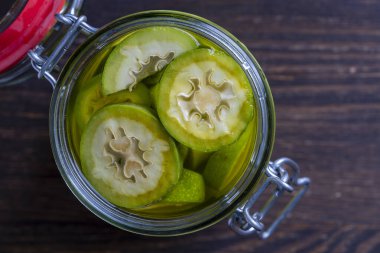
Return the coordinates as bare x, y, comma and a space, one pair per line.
24, 25
9, 11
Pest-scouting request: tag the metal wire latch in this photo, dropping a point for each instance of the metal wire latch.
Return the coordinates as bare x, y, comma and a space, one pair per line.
44, 65
245, 222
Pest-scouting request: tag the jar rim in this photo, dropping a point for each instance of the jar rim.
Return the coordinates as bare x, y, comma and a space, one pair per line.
197, 220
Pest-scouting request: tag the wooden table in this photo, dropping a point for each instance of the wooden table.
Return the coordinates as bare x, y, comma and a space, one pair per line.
322, 59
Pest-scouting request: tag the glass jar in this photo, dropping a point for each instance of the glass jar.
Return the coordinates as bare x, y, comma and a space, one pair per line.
239, 202
68, 165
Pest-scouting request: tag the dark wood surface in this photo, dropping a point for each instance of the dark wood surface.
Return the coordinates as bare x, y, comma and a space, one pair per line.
322, 59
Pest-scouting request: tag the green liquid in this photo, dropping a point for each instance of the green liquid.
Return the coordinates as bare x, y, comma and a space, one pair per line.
94, 68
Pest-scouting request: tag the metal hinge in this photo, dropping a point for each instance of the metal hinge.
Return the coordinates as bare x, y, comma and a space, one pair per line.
245, 222
44, 65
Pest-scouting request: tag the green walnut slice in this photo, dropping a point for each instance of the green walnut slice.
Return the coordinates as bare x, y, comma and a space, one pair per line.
90, 99
144, 53
189, 189
224, 165
205, 99
188, 192
128, 157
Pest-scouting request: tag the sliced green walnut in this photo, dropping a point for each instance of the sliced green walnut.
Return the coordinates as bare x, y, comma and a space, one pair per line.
128, 157
224, 165
142, 54
90, 99
188, 192
205, 99
190, 189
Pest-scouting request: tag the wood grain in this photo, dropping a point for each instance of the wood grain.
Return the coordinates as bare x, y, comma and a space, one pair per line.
322, 59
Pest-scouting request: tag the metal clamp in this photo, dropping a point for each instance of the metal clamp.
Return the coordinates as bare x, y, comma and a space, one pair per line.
44, 65
244, 222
